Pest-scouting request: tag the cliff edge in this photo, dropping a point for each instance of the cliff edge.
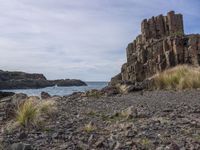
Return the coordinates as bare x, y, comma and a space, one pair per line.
162, 44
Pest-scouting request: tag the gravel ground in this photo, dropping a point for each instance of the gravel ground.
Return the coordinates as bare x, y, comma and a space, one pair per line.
157, 120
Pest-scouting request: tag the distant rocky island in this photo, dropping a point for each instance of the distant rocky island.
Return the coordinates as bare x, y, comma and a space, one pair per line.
22, 80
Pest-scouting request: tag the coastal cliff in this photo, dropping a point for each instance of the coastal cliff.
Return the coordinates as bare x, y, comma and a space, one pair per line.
162, 44
22, 80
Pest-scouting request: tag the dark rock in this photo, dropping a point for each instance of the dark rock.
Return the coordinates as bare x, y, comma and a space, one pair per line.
6, 94
22, 80
8, 105
174, 146
22, 135
69, 82
45, 95
6, 76
110, 90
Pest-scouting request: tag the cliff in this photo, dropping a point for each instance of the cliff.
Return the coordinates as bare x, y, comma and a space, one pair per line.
162, 44
22, 80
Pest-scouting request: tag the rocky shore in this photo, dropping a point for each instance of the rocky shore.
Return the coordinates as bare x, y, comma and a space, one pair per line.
156, 120
161, 45
126, 115
22, 80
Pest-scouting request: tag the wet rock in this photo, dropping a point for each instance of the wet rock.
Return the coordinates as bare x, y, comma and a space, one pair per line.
6, 94
45, 95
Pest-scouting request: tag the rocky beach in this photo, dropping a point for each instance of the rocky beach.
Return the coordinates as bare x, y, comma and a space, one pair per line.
158, 120
152, 104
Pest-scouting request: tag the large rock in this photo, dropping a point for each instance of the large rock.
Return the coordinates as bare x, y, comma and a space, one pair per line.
161, 45
6, 94
22, 80
8, 105
45, 95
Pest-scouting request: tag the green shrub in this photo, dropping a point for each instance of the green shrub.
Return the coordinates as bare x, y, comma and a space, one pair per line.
178, 78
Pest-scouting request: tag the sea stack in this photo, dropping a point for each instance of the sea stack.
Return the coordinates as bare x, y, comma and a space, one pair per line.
162, 44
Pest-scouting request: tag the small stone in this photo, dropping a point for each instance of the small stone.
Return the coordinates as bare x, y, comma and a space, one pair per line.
45, 95
21, 146
22, 135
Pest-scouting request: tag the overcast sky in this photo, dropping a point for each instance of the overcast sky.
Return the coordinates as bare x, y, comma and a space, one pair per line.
83, 39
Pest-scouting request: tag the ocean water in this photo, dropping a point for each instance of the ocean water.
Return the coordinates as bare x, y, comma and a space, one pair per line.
61, 91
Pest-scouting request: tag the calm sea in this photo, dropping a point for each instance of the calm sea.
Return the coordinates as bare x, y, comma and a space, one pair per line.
61, 91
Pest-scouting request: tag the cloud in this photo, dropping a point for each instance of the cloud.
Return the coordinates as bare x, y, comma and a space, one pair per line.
77, 39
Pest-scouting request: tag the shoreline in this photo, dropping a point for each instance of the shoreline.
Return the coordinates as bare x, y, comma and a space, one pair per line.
140, 120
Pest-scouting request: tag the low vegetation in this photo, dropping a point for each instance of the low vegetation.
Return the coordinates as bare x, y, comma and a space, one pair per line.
93, 93
27, 113
178, 78
89, 127
32, 112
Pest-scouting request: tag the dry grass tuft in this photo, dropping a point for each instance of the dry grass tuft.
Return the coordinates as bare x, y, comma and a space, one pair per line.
32, 112
27, 113
89, 127
178, 78
47, 107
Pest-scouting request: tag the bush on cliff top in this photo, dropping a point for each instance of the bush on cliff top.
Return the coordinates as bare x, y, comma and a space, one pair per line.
178, 78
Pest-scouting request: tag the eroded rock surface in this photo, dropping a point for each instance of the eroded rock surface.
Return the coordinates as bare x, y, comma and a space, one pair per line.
162, 44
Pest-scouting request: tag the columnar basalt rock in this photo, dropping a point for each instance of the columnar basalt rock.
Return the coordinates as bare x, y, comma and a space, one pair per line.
161, 45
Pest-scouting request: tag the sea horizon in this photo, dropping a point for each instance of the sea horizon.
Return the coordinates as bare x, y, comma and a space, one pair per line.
61, 90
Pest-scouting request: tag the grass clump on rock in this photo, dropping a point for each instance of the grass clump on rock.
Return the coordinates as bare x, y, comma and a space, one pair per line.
89, 127
27, 113
178, 78
32, 112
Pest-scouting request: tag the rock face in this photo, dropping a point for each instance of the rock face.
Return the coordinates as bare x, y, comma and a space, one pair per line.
22, 80
161, 45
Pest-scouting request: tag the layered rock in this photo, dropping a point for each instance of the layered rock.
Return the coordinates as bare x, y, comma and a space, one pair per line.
161, 45
22, 80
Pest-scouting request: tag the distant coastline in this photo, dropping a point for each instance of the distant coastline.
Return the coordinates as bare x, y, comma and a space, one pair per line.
23, 80
61, 91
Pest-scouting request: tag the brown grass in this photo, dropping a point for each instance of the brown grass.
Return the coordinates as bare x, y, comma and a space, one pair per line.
178, 78
32, 112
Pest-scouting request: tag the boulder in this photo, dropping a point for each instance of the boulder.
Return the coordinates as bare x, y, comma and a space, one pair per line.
8, 105
6, 94
45, 95
110, 90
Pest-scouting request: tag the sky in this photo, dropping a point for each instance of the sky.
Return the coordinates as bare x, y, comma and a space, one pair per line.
81, 39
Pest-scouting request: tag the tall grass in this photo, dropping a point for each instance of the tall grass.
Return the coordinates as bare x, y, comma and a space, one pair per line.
31, 112
178, 78
27, 113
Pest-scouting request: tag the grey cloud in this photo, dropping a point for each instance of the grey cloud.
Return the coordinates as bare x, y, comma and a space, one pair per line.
83, 39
